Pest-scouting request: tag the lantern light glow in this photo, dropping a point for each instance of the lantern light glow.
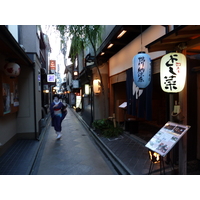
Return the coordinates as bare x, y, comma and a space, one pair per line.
154, 157
173, 72
142, 69
97, 86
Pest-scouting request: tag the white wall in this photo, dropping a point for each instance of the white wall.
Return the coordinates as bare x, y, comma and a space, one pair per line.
14, 31
29, 38
25, 119
123, 59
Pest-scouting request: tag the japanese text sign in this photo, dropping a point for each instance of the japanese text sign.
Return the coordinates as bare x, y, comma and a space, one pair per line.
173, 72
142, 70
51, 78
165, 139
52, 65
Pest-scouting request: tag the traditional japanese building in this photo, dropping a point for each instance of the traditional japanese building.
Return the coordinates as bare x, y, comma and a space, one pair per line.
21, 108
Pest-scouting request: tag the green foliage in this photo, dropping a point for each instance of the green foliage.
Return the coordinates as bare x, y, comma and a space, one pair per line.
102, 124
112, 131
82, 36
107, 128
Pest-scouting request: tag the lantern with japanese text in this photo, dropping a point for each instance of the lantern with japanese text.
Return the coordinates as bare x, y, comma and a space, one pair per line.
96, 86
12, 69
142, 69
173, 72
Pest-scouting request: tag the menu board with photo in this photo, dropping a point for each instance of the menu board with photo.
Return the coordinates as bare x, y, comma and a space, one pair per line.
164, 140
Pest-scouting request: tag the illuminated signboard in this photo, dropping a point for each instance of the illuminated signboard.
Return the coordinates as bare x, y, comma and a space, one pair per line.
50, 78
52, 65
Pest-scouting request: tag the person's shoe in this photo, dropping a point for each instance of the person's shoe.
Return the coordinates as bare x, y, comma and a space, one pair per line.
59, 136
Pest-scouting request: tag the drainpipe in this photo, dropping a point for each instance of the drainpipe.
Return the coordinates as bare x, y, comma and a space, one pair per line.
34, 102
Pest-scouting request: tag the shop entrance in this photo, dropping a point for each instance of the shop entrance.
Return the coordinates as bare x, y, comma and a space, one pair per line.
119, 98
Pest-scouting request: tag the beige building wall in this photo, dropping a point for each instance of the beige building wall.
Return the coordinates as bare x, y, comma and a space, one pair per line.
26, 115
101, 101
123, 59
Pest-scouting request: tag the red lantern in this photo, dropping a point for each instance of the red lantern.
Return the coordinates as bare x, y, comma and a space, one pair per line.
12, 69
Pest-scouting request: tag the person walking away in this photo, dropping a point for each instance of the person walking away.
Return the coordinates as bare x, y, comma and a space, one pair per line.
58, 112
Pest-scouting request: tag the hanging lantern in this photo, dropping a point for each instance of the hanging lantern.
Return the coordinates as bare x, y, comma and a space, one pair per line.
142, 69
97, 86
173, 72
12, 69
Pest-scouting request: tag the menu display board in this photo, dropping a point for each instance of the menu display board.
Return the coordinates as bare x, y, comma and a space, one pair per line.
164, 140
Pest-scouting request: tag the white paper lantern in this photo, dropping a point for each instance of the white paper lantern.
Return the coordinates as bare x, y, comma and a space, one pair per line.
12, 69
142, 69
173, 72
96, 86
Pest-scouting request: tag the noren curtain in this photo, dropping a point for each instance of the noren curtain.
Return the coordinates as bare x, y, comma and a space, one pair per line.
139, 106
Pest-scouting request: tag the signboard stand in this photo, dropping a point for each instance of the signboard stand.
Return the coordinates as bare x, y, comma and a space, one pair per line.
165, 139
162, 167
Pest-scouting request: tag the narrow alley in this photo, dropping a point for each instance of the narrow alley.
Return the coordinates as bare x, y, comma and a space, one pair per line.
74, 154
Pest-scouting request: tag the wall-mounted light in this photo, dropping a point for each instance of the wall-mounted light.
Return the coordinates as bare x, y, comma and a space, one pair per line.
87, 89
142, 69
173, 72
121, 34
96, 86
12, 69
102, 53
45, 91
75, 73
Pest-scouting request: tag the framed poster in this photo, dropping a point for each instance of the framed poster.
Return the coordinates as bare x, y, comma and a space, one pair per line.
6, 98
165, 139
15, 95
9, 103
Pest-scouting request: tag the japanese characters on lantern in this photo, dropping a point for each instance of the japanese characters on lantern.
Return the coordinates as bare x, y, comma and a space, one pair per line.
12, 69
142, 69
173, 72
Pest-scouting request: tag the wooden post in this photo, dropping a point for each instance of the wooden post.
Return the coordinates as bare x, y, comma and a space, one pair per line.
183, 140
114, 120
198, 116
